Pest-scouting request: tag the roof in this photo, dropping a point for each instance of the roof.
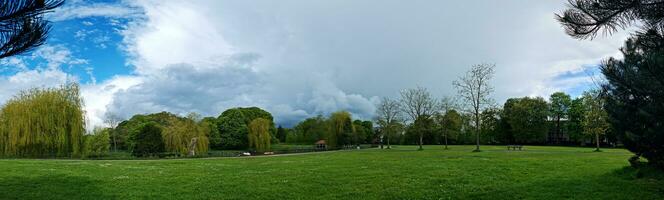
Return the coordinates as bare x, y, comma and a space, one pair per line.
321, 142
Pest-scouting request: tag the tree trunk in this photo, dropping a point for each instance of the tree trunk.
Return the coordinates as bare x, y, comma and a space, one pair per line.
557, 128
115, 143
597, 141
477, 129
445, 141
421, 136
388, 143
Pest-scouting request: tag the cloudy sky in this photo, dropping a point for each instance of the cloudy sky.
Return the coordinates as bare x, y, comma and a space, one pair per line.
297, 58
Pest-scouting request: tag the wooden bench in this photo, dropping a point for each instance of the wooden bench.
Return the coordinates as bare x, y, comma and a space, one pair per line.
514, 147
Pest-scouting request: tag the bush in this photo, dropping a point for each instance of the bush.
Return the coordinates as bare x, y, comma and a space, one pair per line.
148, 141
98, 143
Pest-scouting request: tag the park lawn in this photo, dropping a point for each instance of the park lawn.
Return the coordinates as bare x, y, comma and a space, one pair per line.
399, 173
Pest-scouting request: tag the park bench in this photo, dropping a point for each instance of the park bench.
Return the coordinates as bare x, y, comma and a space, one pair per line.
514, 147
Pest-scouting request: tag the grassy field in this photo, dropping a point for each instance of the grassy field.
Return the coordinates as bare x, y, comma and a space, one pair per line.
400, 173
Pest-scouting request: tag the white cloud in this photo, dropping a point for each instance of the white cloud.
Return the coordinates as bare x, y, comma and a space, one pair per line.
81, 9
298, 59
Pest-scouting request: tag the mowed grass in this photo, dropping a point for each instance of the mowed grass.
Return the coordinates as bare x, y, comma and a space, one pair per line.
399, 173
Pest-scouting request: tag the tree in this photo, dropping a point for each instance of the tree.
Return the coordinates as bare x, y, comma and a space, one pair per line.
259, 134
183, 136
634, 89
450, 125
576, 115
98, 143
311, 130
22, 25
527, 118
474, 88
210, 124
112, 120
418, 103
43, 122
491, 125
559, 108
585, 18
595, 119
423, 129
387, 116
281, 134
232, 125
149, 141
341, 129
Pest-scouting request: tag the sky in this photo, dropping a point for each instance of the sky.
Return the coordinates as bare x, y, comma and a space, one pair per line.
298, 59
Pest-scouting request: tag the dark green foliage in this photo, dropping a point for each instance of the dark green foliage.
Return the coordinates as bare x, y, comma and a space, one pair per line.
559, 109
363, 132
527, 119
574, 126
311, 130
423, 131
232, 125
281, 134
490, 129
148, 141
214, 135
634, 96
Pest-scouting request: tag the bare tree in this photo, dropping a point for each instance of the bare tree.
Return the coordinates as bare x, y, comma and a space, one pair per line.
112, 120
417, 103
475, 90
388, 115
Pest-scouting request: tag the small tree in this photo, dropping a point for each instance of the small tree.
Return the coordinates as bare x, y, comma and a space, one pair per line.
112, 120
595, 121
259, 134
451, 125
418, 103
559, 105
148, 141
474, 88
387, 117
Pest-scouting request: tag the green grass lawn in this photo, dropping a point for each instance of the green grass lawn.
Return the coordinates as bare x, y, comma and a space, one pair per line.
399, 173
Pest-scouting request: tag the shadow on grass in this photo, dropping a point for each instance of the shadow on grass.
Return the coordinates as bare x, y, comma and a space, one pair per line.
622, 183
50, 187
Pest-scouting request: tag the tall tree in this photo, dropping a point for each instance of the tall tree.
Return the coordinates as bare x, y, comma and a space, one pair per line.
388, 115
475, 89
634, 89
595, 119
418, 103
559, 104
112, 120
576, 115
281, 134
527, 118
341, 129
22, 25
259, 134
43, 122
233, 123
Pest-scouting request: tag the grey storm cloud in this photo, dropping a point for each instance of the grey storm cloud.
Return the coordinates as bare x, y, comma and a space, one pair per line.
303, 58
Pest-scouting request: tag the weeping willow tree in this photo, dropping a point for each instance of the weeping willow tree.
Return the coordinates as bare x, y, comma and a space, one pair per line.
43, 122
341, 129
179, 133
259, 134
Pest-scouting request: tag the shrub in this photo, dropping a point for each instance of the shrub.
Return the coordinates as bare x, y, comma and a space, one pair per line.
98, 143
148, 140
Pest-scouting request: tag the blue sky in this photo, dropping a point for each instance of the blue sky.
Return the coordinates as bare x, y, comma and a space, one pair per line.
298, 59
